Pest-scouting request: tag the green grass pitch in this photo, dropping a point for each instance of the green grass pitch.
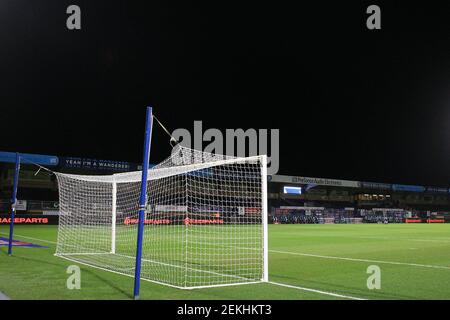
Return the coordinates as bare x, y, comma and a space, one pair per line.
414, 260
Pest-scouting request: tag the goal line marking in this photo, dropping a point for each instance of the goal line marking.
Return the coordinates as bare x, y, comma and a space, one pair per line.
223, 285
193, 269
362, 260
156, 281
407, 239
315, 291
4, 296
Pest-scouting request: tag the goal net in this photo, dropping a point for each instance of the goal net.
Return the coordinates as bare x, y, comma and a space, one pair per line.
205, 220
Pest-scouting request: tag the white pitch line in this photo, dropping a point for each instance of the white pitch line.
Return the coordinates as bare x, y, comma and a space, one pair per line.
20, 236
4, 296
316, 291
362, 260
312, 255
407, 239
155, 281
445, 240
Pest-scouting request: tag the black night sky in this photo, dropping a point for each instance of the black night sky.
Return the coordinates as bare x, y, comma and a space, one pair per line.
350, 103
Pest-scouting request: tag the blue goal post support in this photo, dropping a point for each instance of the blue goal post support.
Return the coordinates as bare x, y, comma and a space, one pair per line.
143, 200
13, 203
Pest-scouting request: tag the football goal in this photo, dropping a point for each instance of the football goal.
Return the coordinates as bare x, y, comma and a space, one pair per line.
204, 220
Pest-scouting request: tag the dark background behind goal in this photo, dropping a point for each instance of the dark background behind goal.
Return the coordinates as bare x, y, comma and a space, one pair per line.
350, 103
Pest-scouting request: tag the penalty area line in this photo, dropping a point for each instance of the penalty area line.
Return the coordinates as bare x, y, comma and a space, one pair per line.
4, 296
337, 295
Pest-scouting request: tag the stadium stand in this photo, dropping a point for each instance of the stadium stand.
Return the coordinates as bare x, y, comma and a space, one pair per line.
292, 199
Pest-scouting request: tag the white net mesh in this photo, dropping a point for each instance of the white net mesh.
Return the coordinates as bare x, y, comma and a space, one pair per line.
204, 223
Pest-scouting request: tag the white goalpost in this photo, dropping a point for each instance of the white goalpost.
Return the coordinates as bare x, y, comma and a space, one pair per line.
205, 220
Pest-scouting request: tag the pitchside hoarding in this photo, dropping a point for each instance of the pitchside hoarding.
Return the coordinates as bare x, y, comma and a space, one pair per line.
409, 188
43, 160
376, 185
317, 181
28, 219
97, 165
437, 190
